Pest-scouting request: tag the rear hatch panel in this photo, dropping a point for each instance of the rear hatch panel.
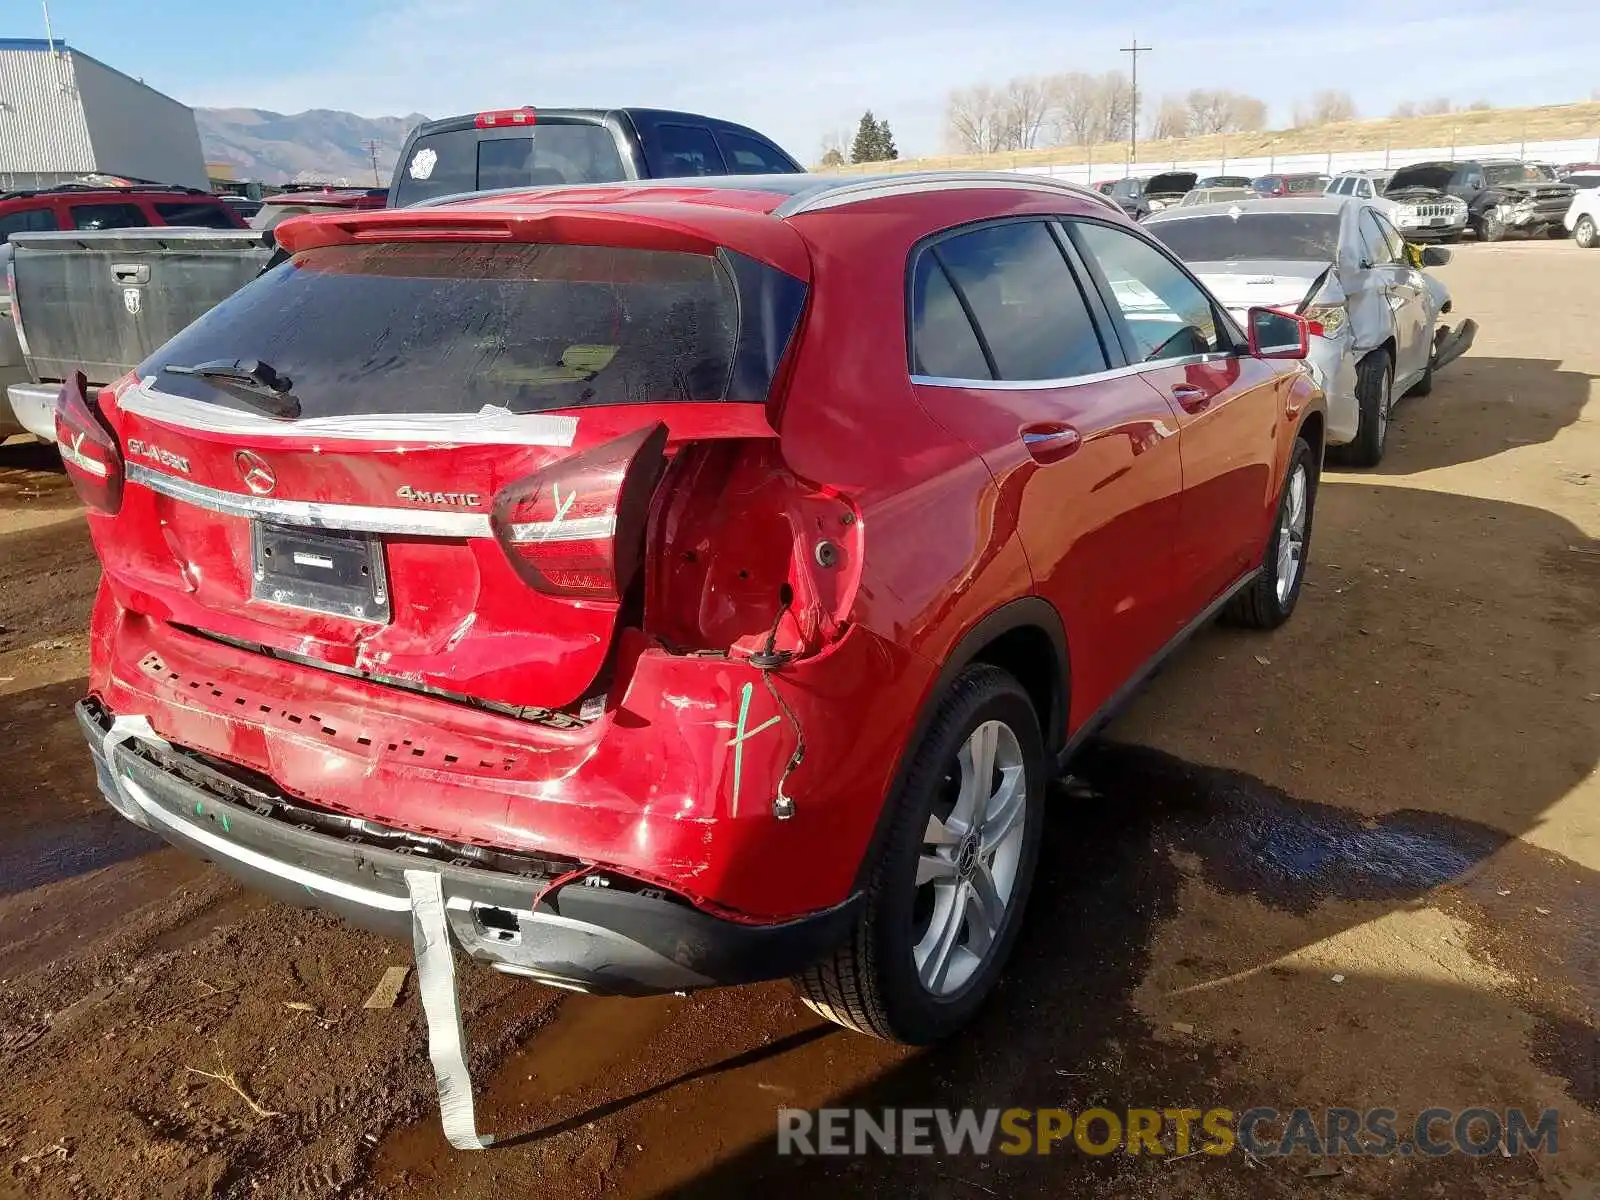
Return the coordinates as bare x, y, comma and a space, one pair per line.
431, 377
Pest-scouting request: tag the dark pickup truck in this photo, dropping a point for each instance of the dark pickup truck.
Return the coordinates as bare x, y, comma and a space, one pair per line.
1501, 195
102, 302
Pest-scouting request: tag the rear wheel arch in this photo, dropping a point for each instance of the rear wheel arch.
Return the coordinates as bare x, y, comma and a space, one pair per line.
1024, 637
1313, 429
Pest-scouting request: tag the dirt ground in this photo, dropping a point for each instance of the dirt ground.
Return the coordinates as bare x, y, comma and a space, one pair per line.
1355, 862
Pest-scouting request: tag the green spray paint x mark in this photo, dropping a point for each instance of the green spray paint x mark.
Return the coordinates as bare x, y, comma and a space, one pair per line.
740, 737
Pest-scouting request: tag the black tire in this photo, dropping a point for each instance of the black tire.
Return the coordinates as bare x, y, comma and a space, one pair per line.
871, 983
1491, 228
1450, 239
1556, 232
1424, 386
1374, 376
1585, 233
1260, 605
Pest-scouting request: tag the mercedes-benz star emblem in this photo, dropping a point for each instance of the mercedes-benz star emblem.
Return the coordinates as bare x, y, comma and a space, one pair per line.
255, 472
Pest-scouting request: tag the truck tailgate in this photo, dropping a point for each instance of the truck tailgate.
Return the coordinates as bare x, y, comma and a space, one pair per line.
99, 301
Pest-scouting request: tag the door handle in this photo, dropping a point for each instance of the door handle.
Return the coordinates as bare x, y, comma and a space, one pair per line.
1191, 397
1050, 441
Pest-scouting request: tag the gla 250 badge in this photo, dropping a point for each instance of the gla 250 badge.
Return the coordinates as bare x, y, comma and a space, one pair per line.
158, 454
424, 496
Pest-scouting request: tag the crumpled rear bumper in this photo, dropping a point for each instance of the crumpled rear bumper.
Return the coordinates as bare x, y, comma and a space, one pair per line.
622, 938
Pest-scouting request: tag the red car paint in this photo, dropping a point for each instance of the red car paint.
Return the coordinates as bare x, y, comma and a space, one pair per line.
894, 516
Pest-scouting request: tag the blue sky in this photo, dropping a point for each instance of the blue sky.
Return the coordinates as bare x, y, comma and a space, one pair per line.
801, 71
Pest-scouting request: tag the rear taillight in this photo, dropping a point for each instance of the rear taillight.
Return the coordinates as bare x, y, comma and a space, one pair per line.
88, 447
501, 117
16, 309
577, 528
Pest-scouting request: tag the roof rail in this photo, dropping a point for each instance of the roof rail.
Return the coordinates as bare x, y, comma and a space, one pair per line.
141, 186
877, 186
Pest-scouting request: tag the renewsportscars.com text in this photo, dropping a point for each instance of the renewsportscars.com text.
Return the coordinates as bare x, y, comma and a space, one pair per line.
1262, 1132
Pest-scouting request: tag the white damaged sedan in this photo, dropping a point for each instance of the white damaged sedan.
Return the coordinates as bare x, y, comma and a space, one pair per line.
1337, 261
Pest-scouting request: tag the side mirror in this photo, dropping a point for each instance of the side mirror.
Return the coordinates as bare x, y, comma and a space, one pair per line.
1435, 256
1275, 334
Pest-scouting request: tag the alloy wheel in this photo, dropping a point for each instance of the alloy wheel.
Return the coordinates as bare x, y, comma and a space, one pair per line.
967, 870
1292, 533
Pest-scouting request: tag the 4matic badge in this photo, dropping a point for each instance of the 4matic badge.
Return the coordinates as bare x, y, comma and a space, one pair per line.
423, 496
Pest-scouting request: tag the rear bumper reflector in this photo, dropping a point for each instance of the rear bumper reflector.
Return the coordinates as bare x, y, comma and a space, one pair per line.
358, 518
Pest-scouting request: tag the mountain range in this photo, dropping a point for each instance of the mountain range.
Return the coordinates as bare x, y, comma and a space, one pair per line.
321, 145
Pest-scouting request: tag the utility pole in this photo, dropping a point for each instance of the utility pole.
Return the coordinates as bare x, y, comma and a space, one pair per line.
372, 145
1135, 50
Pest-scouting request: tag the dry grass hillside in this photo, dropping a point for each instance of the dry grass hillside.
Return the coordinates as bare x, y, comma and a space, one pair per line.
1557, 122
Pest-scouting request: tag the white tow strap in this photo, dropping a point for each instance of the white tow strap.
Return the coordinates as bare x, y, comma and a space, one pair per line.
436, 982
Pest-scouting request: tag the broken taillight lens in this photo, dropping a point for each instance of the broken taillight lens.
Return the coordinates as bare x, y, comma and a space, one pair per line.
88, 447
577, 528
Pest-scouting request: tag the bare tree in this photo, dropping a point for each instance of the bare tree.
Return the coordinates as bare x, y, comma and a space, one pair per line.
973, 119
1025, 106
1075, 107
1480, 105
1325, 108
1437, 107
1405, 110
1172, 119
1115, 105
1224, 112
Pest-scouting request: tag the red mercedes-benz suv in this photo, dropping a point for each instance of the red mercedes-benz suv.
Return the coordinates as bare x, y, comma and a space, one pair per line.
703, 579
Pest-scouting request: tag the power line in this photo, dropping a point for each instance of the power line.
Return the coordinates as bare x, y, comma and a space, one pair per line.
1133, 120
372, 145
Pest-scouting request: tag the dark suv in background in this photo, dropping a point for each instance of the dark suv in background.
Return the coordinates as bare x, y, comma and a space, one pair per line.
1501, 195
527, 147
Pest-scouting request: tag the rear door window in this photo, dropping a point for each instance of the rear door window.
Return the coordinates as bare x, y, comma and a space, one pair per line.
1166, 313
29, 220
205, 216
1031, 316
749, 156
459, 327
688, 150
108, 216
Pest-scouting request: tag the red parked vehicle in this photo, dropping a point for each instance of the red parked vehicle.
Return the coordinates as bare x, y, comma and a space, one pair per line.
1307, 183
112, 206
703, 578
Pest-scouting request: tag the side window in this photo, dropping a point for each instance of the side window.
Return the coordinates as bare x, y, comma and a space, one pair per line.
29, 220
689, 150
1366, 189
206, 216
1377, 246
943, 342
1167, 314
1396, 243
107, 216
749, 156
1030, 312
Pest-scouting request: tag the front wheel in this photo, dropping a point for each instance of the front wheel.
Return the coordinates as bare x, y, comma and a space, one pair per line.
1585, 233
1374, 384
946, 896
1491, 229
1269, 600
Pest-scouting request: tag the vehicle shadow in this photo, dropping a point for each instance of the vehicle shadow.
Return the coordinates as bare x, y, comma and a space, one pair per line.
1483, 406
1337, 909
57, 827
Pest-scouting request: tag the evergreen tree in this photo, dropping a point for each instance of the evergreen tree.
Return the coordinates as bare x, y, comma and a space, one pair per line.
867, 145
886, 146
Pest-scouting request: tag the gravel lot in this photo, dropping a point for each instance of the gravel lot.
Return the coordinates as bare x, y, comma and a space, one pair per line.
1399, 789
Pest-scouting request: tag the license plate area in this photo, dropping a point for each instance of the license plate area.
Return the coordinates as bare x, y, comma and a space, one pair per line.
318, 570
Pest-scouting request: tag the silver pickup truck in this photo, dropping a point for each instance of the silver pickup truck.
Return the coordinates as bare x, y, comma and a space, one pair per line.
99, 301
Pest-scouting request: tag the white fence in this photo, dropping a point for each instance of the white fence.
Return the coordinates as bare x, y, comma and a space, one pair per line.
1331, 163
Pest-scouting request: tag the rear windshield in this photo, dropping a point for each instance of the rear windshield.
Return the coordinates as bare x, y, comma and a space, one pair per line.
456, 327
471, 160
1299, 185
1258, 235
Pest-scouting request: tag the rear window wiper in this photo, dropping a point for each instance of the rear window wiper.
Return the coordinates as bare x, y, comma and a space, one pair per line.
253, 381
